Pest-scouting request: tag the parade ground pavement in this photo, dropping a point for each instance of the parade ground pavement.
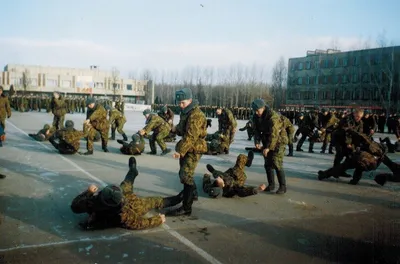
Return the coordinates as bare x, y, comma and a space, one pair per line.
316, 221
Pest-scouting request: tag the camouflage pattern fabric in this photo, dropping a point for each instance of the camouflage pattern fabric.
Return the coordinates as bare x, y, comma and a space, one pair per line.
188, 164
160, 130
98, 121
117, 120
69, 140
5, 110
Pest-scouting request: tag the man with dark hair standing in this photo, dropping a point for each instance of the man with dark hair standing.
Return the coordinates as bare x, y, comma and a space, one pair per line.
192, 128
269, 131
5, 111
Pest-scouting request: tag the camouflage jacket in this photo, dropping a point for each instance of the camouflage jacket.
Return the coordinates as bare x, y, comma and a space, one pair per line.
361, 142
288, 126
192, 128
116, 116
156, 124
168, 117
310, 122
5, 110
98, 117
226, 121
330, 122
71, 137
58, 106
348, 122
269, 130
136, 147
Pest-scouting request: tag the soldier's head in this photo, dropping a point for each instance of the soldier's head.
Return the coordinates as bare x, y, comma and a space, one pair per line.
367, 113
90, 102
301, 116
46, 126
136, 138
219, 110
358, 114
69, 124
146, 113
184, 97
324, 111
111, 195
259, 106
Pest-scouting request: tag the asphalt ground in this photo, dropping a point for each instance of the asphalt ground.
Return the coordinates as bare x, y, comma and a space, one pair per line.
314, 222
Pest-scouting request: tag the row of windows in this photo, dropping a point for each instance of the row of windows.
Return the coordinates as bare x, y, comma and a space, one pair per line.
375, 78
338, 95
338, 62
33, 82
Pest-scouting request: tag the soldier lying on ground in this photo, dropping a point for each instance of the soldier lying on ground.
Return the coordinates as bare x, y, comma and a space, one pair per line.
68, 137
117, 206
43, 134
364, 155
135, 147
230, 182
214, 146
392, 148
382, 178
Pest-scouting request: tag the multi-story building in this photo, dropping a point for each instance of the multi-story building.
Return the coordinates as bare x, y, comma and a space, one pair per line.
71, 81
367, 78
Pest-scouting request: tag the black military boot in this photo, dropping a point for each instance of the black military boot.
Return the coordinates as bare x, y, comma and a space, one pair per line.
382, 178
2, 176
322, 175
165, 151
186, 208
323, 149
89, 152
270, 179
112, 134
250, 157
1, 143
331, 149
104, 147
356, 177
124, 137
290, 150
195, 193
280, 174
310, 147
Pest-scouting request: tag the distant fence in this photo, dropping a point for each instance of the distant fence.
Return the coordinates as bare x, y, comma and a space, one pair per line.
136, 107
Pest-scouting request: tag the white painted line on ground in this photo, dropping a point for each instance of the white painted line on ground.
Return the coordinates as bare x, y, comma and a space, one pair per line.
173, 233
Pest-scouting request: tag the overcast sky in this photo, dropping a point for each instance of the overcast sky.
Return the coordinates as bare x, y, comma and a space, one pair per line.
171, 35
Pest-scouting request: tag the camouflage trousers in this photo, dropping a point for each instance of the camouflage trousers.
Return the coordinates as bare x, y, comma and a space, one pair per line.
188, 165
63, 147
227, 139
119, 126
274, 158
92, 135
327, 138
58, 122
159, 138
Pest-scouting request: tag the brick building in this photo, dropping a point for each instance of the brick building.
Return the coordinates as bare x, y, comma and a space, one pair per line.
367, 78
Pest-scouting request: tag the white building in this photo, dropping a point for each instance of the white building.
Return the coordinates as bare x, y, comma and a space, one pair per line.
77, 81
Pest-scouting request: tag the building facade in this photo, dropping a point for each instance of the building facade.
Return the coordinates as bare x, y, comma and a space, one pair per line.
71, 81
330, 78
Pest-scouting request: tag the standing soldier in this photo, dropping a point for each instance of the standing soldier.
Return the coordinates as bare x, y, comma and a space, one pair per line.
288, 126
249, 128
96, 121
5, 111
58, 109
168, 116
329, 123
160, 130
117, 121
307, 130
227, 125
268, 130
192, 128
369, 124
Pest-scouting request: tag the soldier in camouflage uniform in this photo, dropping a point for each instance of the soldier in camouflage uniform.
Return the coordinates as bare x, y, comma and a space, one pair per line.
249, 128
135, 147
268, 130
43, 134
329, 122
58, 108
117, 121
192, 128
364, 155
230, 182
97, 121
227, 125
160, 130
307, 128
69, 139
115, 206
168, 116
5, 111
214, 145
288, 126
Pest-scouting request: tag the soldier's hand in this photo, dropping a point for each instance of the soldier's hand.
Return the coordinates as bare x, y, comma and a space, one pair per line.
262, 187
162, 216
220, 182
141, 132
176, 155
87, 121
258, 146
371, 131
92, 188
173, 129
265, 152
349, 146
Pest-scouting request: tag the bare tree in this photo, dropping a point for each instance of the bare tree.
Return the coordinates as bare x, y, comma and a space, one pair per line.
115, 81
26, 80
279, 75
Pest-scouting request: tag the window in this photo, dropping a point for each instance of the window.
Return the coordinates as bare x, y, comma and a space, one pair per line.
129, 87
325, 63
365, 77
345, 78
51, 82
66, 84
345, 62
325, 79
356, 61
308, 65
299, 81
300, 66
355, 78
337, 64
16, 81
316, 80
34, 82
99, 85
336, 79
293, 66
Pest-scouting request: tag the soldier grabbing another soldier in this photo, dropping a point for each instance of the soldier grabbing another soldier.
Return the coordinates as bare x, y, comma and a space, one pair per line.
115, 206
117, 121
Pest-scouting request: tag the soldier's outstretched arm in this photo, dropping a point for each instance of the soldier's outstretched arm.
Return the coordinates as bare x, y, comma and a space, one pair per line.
81, 203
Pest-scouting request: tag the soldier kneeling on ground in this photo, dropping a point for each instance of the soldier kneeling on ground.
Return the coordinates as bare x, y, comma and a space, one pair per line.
135, 147
68, 139
230, 182
365, 155
43, 134
214, 146
115, 206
